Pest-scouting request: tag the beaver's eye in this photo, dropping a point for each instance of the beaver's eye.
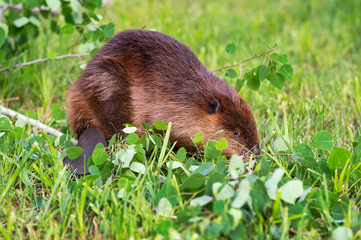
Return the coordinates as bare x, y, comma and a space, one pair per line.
237, 133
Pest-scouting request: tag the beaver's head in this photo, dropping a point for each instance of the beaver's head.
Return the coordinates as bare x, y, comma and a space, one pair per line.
234, 119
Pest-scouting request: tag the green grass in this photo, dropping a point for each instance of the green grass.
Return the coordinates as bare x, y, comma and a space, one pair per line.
322, 40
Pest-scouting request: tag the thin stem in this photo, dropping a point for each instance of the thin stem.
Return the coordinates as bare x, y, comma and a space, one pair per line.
248, 59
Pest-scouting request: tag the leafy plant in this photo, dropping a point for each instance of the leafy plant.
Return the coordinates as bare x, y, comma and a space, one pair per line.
23, 20
212, 197
276, 70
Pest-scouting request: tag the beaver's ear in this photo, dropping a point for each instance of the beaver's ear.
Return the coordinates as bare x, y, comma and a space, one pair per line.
214, 106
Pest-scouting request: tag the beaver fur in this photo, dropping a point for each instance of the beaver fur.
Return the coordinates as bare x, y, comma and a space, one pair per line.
144, 76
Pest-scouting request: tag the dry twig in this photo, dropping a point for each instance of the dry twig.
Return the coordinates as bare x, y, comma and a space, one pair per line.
33, 122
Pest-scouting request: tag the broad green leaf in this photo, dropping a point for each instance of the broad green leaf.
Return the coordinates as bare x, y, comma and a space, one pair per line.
76, 13
323, 140
175, 164
94, 16
174, 234
274, 56
163, 228
231, 73
231, 48
253, 73
147, 127
67, 29
74, 152
239, 84
3, 33
213, 231
253, 83
19, 133
291, 190
99, 155
204, 169
287, 71
222, 192
263, 72
201, 201
108, 30
188, 213
193, 183
192, 168
338, 158
137, 167
57, 113
129, 130
221, 144
20, 123
36, 22
21, 22
112, 140
215, 176
164, 208
304, 155
282, 58
342, 233
308, 162
242, 194
324, 169
181, 154
236, 164
14, 2
94, 170
280, 145
237, 216
121, 193
299, 211
169, 192
53, 4
160, 125
272, 183
30, 4
132, 138
99, 146
304, 149
210, 150
265, 167
277, 80
198, 137
106, 170
124, 157
4, 124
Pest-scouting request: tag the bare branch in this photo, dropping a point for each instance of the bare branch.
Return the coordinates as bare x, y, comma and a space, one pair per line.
44, 60
9, 99
237, 64
34, 123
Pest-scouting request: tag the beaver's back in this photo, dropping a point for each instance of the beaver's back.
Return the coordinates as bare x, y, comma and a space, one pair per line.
140, 76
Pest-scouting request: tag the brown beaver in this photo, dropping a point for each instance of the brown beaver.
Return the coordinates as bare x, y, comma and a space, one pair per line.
144, 76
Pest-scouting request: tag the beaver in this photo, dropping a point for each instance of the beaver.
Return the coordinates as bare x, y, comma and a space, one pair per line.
144, 76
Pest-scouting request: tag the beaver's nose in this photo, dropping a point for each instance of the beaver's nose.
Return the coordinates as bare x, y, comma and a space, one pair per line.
256, 150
